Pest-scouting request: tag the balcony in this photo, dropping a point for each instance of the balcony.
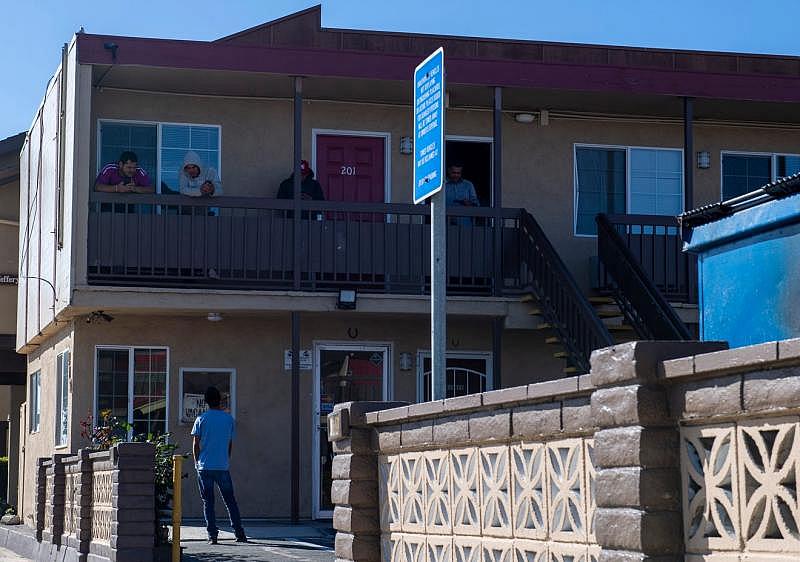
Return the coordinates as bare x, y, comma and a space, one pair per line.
259, 244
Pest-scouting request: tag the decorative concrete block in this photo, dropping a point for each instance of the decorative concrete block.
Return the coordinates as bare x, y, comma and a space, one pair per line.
490, 426
537, 421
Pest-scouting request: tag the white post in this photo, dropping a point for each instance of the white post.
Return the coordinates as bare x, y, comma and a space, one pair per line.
438, 296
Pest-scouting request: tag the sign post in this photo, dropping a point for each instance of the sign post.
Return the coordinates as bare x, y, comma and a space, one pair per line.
429, 89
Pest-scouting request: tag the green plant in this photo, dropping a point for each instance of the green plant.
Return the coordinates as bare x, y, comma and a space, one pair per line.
112, 430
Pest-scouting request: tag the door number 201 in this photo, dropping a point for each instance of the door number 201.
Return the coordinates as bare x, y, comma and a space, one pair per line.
348, 171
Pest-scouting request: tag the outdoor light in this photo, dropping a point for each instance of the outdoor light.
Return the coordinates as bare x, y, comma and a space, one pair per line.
406, 145
405, 361
703, 159
214, 317
346, 300
524, 118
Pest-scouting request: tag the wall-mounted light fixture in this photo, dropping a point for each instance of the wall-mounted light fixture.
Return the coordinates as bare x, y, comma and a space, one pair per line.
524, 117
406, 145
347, 299
214, 317
406, 364
703, 159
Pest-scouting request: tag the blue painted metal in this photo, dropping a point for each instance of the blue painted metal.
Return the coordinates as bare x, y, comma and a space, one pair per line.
429, 126
749, 274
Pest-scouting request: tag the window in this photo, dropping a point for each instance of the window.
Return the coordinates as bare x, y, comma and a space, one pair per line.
132, 384
35, 399
743, 173
194, 383
617, 180
62, 399
466, 373
160, 147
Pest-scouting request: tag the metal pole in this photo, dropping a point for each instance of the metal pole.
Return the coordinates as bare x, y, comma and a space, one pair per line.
438, 295
497, 189
688, 153
298, 155
177, 508
498, 324
295, 461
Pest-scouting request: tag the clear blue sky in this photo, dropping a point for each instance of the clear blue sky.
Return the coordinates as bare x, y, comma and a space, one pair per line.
33, 30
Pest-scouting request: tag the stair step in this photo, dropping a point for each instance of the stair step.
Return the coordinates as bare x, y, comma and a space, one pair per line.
619, 328
530, 297
601, 300
568, 370
553, 340
544, 326
609, 313
535, 312
561, 355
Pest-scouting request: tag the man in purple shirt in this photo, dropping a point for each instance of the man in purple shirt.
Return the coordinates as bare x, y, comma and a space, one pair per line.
123, 177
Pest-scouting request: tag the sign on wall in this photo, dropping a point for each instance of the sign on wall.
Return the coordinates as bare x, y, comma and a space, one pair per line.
193, 406
8, 279
305, 359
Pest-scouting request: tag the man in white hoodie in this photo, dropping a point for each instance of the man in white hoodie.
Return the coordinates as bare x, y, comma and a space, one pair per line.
197, 181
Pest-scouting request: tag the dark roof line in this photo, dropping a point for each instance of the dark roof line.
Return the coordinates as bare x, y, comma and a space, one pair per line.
784, 187
13, 143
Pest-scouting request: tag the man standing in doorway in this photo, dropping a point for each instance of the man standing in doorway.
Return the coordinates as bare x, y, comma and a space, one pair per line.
213, 433
459, 192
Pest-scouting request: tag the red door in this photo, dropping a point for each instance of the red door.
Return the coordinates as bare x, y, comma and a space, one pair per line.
351, 168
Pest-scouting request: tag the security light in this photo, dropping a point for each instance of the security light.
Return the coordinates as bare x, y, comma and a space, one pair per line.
347, 299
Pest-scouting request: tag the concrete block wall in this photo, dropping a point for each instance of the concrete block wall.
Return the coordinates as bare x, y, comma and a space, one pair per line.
667, 451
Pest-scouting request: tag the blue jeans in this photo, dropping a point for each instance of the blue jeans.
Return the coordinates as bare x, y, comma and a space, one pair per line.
222, 478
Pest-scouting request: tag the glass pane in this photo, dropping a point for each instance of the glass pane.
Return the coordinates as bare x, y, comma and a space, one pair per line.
656, 180
112, 383
464, 375
743, 173
176, 140
600, 184
116, 138
195, 384
149, 390
786, 165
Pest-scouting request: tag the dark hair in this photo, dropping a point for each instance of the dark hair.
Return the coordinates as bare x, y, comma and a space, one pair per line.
128, 155
213, 397
455, 164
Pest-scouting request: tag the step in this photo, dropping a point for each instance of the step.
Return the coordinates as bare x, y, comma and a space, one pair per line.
619, 328
553, 340
602, 300
545, 326
530, 297
535, 312
561, 355
609, 313
568, 370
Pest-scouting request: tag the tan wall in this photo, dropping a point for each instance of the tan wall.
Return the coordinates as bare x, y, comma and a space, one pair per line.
41, 443
254, 347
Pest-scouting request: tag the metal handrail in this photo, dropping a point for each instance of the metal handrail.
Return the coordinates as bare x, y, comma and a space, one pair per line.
563, 304
639, 299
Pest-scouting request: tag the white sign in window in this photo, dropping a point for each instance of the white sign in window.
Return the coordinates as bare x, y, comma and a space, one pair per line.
193, 386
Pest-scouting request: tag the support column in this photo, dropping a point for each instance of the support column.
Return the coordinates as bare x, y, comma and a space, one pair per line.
41, 494
498, 323
298, 155
497, 189
133, 520
295, 447
83, 498
688, 154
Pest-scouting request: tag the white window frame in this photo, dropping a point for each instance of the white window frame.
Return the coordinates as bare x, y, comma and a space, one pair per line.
35, 408
130, 349
773, 168
158, 125
184, 370
423, 354
627, 149
62, 391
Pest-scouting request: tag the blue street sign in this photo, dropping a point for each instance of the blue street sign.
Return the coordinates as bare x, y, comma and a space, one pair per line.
429, 126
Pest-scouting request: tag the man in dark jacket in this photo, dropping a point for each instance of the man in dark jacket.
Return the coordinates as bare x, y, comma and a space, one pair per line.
309, 187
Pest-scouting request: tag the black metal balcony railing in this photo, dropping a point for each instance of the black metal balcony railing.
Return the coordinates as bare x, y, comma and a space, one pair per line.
248, 243
655, 243
629, 274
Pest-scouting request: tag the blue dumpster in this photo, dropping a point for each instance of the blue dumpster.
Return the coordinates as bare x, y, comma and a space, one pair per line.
748, 252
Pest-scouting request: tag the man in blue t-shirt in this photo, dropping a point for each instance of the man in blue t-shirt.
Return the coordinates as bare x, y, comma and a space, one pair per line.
213, 433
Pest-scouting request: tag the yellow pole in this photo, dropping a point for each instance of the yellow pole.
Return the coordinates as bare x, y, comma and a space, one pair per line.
177, 471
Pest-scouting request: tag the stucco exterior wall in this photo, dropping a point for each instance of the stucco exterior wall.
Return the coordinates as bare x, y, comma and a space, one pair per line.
9, 234
42, 442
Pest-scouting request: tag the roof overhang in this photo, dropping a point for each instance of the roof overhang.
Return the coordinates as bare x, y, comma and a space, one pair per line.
576, 77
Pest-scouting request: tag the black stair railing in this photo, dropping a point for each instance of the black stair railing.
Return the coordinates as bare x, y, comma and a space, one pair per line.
639, 299
563, 305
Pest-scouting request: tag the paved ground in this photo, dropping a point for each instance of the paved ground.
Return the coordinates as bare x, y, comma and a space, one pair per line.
270, 542
8, 556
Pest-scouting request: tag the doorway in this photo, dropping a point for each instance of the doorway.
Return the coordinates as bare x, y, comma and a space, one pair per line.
475, 155
343, 372
352, 165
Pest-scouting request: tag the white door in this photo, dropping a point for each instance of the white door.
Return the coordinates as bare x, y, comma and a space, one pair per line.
343, 372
